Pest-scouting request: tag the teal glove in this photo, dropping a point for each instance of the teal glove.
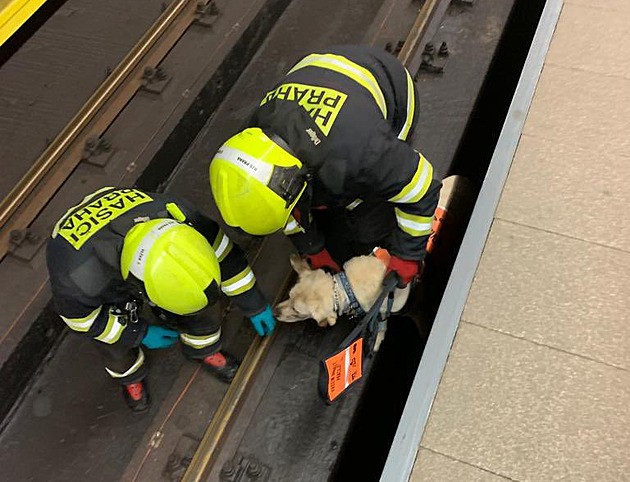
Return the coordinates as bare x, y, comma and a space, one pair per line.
159, 337
264, 322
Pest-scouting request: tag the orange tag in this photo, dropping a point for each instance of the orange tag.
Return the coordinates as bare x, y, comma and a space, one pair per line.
344, 369
438, 219
382, 254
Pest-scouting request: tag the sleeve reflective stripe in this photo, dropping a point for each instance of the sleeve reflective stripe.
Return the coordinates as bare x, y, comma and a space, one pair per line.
354, 204
418, 185
82, 324
411, 105
240, 283
138, 363
292, 227
174, 210
113, 330
198, 342
414, 225
222, 245
348, 68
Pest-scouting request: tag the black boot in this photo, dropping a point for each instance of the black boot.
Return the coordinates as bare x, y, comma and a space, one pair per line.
222, 365
137, 397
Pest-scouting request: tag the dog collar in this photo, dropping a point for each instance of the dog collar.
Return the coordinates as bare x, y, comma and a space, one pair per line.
354, 307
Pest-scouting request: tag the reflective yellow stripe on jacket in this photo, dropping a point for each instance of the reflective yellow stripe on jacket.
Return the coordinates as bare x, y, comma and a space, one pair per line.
413, 224
419, 184
411, 105
222, 245
82, 324
342, 65
240, 283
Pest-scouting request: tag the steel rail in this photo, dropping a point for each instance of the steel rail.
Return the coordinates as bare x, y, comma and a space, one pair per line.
158, 40
220, 423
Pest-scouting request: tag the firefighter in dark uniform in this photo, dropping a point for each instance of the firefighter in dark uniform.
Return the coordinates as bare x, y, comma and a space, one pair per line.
120, 248
325, 158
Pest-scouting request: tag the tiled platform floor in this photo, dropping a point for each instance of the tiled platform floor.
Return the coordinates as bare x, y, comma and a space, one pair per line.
537, 385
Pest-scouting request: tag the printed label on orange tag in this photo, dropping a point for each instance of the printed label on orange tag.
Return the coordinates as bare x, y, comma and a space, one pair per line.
438, 219
344, 368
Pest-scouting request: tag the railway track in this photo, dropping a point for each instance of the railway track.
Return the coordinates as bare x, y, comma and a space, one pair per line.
57, 163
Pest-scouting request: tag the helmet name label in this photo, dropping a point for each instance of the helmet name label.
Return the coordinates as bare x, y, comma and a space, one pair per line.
261, 171
321, 103
88, 220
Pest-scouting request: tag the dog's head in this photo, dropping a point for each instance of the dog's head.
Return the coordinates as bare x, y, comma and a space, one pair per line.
310, 297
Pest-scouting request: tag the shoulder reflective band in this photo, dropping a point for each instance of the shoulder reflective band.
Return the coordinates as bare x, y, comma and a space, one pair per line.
346, 67
139, 259
411, 105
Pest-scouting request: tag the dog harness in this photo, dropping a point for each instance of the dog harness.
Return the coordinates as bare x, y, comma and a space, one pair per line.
354, 307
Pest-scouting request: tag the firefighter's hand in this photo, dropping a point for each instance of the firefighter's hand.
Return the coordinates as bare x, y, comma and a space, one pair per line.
405, 269
322, 260
264, 322
159, 337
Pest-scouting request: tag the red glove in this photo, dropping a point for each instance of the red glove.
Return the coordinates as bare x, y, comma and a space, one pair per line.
406, 269
322, 260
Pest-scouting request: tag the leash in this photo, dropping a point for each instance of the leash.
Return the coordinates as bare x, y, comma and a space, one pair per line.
343, 367
373, 317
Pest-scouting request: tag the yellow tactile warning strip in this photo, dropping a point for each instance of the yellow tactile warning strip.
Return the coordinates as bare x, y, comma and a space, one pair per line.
13, 14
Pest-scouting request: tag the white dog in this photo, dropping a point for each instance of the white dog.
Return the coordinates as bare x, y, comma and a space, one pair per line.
323, 297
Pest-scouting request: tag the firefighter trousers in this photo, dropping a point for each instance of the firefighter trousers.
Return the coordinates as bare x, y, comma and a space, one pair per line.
199, 336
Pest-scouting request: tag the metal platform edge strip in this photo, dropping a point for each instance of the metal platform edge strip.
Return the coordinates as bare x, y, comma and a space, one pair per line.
406, 443
15, 14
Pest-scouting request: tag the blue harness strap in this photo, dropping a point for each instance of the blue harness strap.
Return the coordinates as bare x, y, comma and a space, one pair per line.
355, 306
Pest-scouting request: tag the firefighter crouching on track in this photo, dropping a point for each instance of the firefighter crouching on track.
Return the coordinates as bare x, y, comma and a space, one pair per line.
119, 248
325, 158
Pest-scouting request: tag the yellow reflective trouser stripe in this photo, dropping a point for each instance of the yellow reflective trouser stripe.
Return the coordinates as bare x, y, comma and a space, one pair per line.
83, 201
199, 342
138, 363
173, 210
240, 283
222, 245
354, 204
348, 68
412, 224
411, 105
82, 324
113, 330
418, 185
292, 227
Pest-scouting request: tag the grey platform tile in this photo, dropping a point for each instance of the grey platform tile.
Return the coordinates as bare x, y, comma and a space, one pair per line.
622, 6
582, 109
593, 39
431, 467
529, 412
558, 187
555, 291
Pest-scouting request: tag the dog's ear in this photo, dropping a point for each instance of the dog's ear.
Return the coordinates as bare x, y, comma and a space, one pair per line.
299, 265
